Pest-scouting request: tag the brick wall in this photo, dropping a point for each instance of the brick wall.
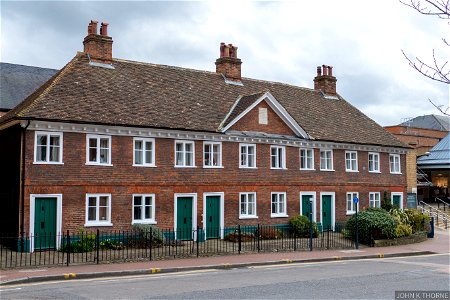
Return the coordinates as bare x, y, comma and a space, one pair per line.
275, 124
74, 179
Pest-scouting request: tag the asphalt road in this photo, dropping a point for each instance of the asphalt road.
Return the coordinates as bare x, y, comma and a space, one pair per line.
356, 279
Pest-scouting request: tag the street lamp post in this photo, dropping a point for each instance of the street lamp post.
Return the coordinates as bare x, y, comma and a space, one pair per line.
355, 201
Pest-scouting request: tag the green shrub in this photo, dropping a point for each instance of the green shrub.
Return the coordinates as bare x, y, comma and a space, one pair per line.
403, 230
373, 223
418, 220
400, 216
386, 202
86, 243
147, 235
111, 245
300, 227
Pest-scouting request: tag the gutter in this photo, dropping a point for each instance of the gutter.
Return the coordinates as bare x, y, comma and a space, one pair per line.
22, 177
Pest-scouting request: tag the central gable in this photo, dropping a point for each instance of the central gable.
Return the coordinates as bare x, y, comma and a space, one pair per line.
261, 112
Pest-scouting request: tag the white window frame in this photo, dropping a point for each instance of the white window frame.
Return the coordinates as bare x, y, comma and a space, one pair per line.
349, 200
373, 199
246, 215
353, 161
394, 161
309, 158
142, 206
246, 165
47, 147
277, 157
184, 143
327, 160
97, 159
98, 222
144, 150
219, 159
278, 214
376, 163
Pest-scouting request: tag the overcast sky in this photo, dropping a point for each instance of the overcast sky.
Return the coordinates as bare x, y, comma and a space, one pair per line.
279, 41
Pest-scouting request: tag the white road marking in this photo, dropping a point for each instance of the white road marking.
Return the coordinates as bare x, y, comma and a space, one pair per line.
7, 290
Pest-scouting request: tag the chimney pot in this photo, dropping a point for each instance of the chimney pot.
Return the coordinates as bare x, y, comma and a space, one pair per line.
319, 71
324, 70
104, 29
93, 25
330, 70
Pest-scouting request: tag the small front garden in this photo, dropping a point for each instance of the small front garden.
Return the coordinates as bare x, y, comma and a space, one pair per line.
397, 226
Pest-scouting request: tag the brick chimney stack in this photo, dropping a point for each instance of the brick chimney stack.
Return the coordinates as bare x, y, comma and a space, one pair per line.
98, 46
228, 64
325, 81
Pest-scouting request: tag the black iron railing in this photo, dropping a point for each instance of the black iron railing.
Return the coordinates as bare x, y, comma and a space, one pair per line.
95, 247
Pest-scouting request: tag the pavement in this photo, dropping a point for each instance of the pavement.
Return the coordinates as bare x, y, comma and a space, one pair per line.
439, 244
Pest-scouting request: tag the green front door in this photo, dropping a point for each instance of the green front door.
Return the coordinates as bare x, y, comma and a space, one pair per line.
396, 200
45, 223
184, 218
212, 217
306, 206
326, 212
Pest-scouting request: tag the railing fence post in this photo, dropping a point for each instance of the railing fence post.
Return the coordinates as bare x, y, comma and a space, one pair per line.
97, 245
257, 236
68, 248
151, 241
198, 237
239, 239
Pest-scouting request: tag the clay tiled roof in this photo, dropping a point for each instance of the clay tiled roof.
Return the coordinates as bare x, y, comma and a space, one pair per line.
149, 95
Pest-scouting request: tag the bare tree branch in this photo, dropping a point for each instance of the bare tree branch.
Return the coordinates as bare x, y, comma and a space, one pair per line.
441, 108
440, 8
434, 72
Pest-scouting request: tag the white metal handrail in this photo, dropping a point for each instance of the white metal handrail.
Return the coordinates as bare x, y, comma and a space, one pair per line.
437, 214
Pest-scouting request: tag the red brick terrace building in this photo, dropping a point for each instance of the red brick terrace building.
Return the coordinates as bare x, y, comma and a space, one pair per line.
107, 143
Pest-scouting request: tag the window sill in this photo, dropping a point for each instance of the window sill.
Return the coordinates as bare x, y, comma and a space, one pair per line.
47, 163
375, 172
98, 165
278, 168
241, 167
213, 167
279, 216
97, 224
247, 217
144, 222
352, 171
307, 169
184, 167
327, 170
145, 166
395, 173
350, 213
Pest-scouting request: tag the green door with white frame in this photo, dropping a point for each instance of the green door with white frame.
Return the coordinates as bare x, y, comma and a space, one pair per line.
44, 223
306, 206
184, 218
212, 217
326, 212
396, 199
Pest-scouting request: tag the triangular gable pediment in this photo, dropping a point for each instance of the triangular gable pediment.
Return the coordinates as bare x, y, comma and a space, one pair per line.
248, 103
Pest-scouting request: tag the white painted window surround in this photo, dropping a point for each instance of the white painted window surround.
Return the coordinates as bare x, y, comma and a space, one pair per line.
48, 147
98, 210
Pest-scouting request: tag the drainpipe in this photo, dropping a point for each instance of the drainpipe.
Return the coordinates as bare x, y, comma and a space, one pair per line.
22, 178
